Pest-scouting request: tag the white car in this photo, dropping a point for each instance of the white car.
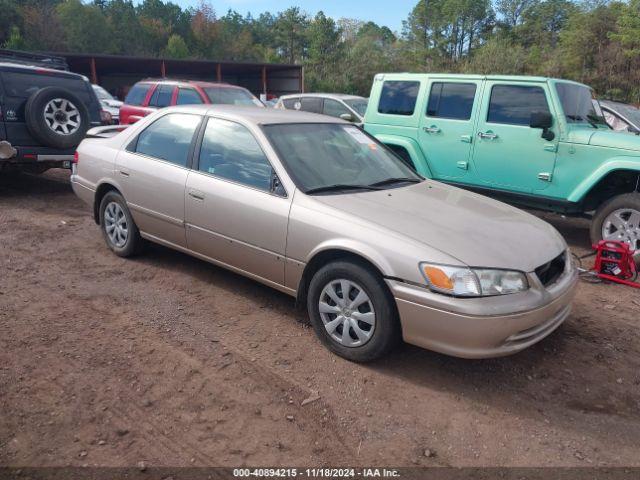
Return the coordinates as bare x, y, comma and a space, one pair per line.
347, 107
108, 103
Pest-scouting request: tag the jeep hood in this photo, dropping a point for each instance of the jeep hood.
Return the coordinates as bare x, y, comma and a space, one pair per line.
606, 138
474, 229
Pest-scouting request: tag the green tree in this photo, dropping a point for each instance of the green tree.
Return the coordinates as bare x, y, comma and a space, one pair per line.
15, 40
176, 47
86, 28
324, 53
290, 27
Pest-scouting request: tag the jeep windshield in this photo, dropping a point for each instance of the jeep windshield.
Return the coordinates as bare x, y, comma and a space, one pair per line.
332, 158
579, 105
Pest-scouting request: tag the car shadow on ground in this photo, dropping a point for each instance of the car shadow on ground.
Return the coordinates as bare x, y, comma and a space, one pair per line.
15, 184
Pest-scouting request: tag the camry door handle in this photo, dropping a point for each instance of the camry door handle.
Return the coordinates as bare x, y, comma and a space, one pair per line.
488, 135
124, 173
197, 194
431, 129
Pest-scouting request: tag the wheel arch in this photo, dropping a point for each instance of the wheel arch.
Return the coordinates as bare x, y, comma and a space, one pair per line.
101, 191
413, 150
322, 256
606, 183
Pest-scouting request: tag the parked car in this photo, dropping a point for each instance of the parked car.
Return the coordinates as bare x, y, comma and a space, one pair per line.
149, 95
532, 141
44, 114
347, 107
316, 208
109, 103
621, 117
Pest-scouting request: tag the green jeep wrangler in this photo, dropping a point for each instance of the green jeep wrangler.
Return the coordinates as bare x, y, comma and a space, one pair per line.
532, 141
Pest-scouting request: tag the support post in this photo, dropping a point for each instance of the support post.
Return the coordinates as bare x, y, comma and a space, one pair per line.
94, 72
219, 73
163, 69
264, 80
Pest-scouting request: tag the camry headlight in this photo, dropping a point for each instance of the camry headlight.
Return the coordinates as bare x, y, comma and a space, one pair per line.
472, 282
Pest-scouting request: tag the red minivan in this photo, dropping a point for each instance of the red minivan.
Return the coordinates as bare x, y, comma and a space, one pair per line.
147, 96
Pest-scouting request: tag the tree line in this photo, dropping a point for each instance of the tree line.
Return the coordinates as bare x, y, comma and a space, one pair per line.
592, 41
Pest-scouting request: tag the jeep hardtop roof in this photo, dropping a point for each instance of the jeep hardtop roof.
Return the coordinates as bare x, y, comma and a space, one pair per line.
462, 76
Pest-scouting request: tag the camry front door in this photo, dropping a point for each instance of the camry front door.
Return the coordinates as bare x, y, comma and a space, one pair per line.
236, 211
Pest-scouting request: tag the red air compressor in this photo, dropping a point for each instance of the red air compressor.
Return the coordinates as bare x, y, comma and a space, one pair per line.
615, 262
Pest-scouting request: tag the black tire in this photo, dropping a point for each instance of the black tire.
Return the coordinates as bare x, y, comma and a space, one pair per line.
386, 334
627, 200
40, 128
134, 242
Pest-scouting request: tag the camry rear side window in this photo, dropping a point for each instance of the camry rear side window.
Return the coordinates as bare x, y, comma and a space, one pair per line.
398, 98
169, 138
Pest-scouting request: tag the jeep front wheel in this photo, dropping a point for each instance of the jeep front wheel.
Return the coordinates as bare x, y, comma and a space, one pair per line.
618, 219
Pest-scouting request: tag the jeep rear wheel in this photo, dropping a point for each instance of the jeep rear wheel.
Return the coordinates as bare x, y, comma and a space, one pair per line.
618, 219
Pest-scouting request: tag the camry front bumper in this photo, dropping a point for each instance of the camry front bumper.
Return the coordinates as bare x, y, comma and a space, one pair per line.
483, 327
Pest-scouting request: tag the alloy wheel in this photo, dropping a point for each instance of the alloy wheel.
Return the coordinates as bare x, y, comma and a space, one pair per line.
623, 225
62, 116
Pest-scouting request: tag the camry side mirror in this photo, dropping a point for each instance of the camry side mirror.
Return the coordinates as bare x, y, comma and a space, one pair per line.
347, 116
542, 120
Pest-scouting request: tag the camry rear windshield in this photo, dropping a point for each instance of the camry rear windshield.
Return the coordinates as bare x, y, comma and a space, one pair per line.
579, 104
319, 155
232, 96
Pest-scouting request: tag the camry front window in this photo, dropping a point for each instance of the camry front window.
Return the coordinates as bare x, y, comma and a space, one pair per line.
336, 157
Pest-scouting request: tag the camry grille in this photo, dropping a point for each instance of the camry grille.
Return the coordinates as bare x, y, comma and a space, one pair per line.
550, 272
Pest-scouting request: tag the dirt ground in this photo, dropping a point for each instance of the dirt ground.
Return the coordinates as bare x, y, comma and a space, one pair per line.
168, 360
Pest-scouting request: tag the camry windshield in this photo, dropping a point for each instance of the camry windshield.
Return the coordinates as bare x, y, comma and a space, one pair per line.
359, 105
579, 105
232, 96
329, 157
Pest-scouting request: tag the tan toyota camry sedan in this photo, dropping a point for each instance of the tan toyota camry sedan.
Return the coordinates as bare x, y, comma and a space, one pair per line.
316, 208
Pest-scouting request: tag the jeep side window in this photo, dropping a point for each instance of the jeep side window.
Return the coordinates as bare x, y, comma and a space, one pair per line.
398, 97
451, 100
137, 94
513, 104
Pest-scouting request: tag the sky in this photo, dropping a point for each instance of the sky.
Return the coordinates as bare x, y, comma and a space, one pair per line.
390, 13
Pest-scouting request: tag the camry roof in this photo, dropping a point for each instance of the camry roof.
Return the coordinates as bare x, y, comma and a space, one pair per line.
257, 115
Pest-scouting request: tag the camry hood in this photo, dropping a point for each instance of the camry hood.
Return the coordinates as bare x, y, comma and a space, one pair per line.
476, 230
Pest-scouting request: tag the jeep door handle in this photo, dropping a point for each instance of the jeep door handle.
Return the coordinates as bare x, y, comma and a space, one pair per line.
197, 194
432, 129
488, 135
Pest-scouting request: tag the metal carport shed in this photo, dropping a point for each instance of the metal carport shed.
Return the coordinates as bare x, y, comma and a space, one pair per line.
118, 73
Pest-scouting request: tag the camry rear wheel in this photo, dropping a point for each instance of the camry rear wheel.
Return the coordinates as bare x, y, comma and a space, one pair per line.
352, 311
118, 228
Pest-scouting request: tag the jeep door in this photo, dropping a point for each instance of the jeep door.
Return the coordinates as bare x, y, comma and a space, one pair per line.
152, 172
447, 126
508, 153
236, 212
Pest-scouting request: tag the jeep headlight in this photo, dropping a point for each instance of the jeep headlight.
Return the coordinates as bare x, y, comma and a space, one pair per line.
472, 282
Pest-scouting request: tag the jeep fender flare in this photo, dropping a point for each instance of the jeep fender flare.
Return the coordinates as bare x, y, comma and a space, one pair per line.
613, 164
414, 150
